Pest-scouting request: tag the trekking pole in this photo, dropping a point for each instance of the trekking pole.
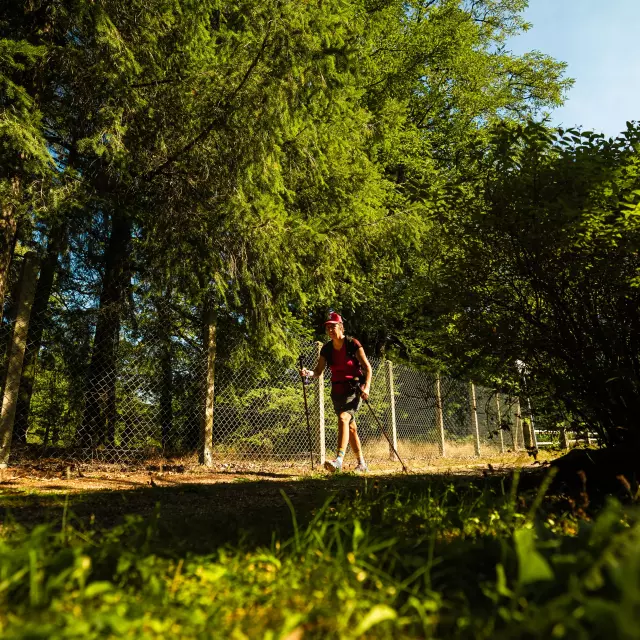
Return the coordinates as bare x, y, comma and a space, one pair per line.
306, 412
404, 466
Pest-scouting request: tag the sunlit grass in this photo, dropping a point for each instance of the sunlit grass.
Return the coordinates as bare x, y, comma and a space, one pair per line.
478, 561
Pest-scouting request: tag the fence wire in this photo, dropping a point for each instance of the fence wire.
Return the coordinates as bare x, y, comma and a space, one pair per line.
142, 394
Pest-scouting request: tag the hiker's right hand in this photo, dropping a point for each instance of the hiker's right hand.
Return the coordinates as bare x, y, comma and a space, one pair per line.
305, 373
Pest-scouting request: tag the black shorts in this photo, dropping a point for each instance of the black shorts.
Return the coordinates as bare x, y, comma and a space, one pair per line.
346, 403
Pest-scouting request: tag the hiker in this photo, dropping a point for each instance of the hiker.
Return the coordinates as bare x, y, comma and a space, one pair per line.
349, 386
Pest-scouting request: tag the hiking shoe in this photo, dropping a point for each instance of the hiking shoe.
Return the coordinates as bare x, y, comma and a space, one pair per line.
334, 466
361, 468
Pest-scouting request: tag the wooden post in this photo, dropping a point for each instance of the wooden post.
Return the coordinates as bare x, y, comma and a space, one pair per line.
534, 438
526, 433
564, 445
516, 427
209, 342
499, 417
321, 437
15, 358
392, 403
440, 417
475, 430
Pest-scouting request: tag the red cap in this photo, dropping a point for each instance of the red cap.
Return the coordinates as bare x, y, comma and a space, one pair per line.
334, 318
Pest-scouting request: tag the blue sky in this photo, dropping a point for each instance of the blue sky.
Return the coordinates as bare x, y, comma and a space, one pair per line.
600, 41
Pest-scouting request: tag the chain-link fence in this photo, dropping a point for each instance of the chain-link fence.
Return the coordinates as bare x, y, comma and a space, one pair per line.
94, 391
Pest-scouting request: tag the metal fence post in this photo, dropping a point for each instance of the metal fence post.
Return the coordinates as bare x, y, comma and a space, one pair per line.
474, 419
499, 417
17, 346
392, 404
321, 436
440, 417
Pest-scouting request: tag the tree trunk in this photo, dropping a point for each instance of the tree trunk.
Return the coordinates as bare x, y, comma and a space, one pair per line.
8, 227
9, 319
209, 344
99, 422
166, 397
39, 315
166, 373
16, 355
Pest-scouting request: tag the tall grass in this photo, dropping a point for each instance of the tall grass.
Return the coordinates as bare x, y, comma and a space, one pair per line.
380, 561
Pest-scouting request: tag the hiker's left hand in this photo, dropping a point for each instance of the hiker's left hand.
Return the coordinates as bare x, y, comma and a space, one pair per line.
364, 393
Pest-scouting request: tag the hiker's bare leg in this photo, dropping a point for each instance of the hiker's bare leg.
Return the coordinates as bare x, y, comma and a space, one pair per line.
343, 431
354, 440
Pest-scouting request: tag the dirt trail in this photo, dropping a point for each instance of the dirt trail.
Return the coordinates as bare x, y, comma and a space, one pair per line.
55, 477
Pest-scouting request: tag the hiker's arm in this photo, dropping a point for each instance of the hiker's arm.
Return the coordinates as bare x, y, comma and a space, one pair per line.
318, 371
362, 357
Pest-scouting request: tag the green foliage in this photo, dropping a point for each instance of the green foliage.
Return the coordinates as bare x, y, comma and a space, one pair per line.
397, 562
541, 265
22, 143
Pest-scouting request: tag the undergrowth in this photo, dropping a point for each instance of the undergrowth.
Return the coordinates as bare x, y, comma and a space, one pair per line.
382, 561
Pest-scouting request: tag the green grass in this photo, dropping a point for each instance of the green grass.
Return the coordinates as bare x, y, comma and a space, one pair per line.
382, 558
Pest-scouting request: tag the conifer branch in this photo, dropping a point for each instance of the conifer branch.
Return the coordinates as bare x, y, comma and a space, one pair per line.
216, 121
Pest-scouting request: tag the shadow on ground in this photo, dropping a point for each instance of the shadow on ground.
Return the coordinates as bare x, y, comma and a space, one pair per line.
199, 518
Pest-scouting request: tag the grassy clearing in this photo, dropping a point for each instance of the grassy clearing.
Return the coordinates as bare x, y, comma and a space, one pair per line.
383, 557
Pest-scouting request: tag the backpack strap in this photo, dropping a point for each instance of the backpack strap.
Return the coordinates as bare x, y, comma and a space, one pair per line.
352, 350
327, 352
